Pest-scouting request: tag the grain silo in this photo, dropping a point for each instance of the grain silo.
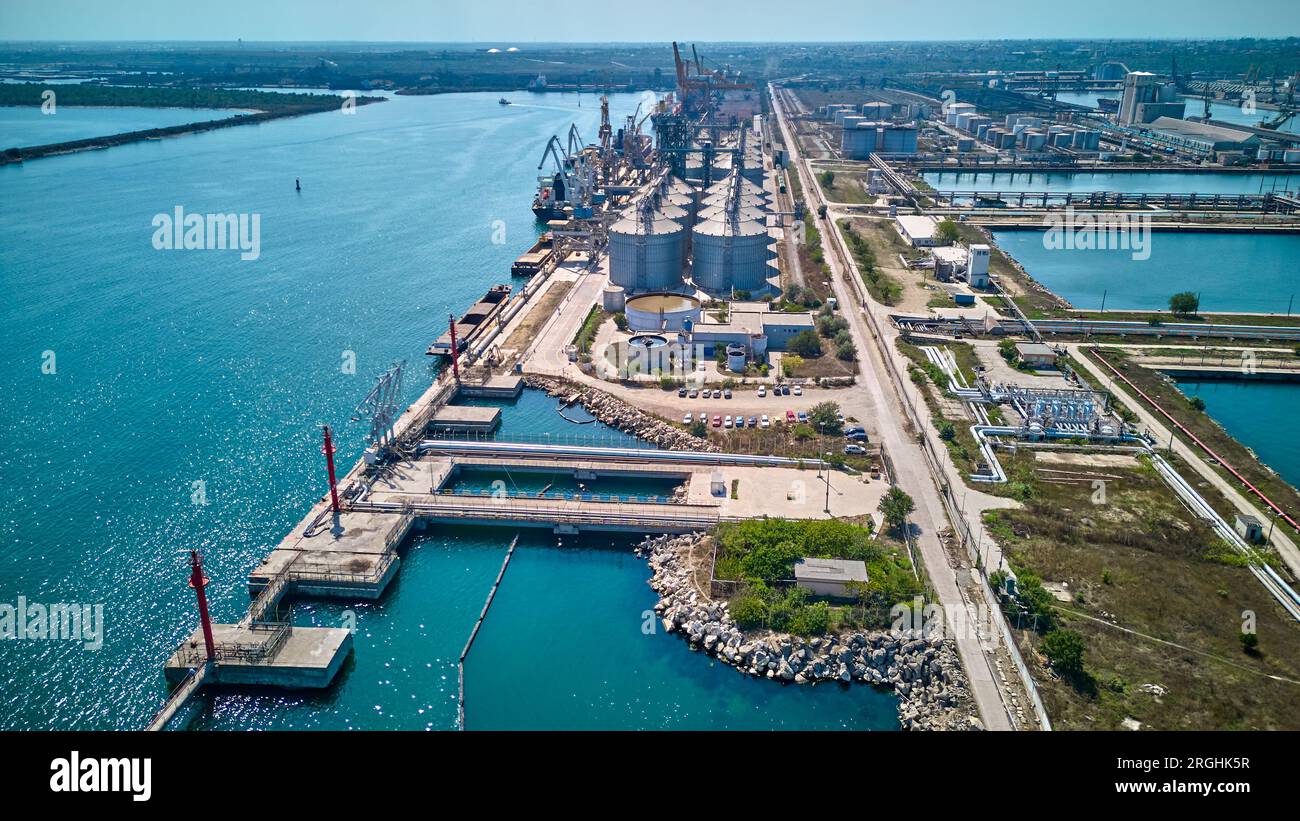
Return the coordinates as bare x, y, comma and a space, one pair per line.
731, 253
646, 250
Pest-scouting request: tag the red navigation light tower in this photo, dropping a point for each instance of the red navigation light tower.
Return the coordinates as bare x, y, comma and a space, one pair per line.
328, 450
455, 349
198, 582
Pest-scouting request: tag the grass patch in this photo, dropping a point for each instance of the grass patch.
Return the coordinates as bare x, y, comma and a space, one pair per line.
1140, 561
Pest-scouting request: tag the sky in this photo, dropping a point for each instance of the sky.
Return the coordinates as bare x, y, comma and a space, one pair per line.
518, 21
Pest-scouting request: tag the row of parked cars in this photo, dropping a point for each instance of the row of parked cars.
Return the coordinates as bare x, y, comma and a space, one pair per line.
725, 393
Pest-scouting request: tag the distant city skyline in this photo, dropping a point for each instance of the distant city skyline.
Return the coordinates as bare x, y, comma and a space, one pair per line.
507, 22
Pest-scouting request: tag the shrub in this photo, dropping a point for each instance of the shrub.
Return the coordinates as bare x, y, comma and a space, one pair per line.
749, 610
1064, 648
811, 620
806, 344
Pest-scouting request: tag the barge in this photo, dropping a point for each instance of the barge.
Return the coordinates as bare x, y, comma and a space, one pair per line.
472, 324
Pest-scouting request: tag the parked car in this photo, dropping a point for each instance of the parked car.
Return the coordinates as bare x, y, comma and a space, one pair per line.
860, 436
688, 418
764, 422
753, 421
694, 393
717, 421
854, 429
762, 391
681, 391
852, 448
789, 416
803, 417
785, 390
798, 390
726, 394
726, 421
717, 394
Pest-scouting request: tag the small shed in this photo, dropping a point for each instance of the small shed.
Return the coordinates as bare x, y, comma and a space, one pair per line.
1036, 354
1249, 528
829, 577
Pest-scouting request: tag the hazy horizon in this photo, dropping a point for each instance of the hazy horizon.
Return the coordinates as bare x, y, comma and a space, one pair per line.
506, 22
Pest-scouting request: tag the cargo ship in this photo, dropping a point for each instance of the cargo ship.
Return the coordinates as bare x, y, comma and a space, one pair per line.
475, 321
535, 258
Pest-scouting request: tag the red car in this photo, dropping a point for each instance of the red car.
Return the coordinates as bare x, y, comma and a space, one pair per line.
717, 421
789, 416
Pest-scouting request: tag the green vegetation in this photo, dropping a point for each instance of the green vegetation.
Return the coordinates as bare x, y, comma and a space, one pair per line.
1086, 602
791, 363
825, 417
587, 333
1184, 303
882, 287
806, 344
895, 506
761, 553
947, 232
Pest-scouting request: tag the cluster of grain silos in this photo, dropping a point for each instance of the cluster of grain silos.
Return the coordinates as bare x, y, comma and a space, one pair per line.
647, 246
731, 248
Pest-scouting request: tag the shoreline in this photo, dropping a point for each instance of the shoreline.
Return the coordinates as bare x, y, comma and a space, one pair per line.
924, 672
19, 155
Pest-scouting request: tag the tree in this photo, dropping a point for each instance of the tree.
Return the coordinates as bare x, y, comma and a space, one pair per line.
806, 344
947, 232
1064, 649
699, 429
1184, 303
791, 363
896, 506
825, 417
846, 351
1197, 403
828, 178
1250, 643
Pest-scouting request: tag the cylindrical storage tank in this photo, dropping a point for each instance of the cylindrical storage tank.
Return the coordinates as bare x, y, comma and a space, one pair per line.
1035, 140
675, 213
721, 210
746, 201
662, 312
899, 140
613, 298
737, 358
758, 344
1063, 139
966, 144
730, 254
646, 254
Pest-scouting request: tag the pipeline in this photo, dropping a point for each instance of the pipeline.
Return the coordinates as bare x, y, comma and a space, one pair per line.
1278, 510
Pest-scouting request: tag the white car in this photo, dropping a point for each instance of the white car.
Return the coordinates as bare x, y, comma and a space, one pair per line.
798, 391
726, 421
688, 418
762, 390
764, 422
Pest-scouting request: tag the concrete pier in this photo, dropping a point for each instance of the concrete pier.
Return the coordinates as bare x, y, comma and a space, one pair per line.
461, 418
303, 658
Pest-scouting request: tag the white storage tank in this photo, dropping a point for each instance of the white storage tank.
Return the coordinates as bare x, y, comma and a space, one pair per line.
613, 298
737, 358
662, 312
730, 253
646, 252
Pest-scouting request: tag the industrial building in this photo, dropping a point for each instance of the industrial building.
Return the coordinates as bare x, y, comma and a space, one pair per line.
1204, 138
1146, 98
753, 325
919, 231
833, 578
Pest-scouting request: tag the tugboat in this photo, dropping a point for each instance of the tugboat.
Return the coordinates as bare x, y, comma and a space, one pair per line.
503, 101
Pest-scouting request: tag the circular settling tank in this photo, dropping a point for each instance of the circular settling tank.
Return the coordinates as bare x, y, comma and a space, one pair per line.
661, 312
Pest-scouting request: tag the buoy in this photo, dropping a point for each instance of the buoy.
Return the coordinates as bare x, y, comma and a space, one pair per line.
297, 184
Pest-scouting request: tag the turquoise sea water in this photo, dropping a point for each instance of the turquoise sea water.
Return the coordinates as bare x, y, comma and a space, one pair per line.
22, 126
1232, 272
140, 382
1257, 414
